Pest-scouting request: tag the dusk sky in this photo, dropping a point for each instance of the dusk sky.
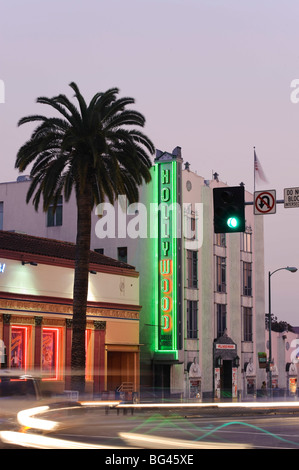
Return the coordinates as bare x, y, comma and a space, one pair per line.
211, 76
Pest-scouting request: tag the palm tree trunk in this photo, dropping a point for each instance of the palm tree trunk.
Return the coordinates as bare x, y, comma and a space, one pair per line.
80, 292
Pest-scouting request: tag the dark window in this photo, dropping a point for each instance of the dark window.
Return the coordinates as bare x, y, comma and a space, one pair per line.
190, 227
220, 274
220, 239
246, 242
99, 250
54, 219
1, 215
247, 324
192, 280
122, 254
192, 319
247, 278
221, 319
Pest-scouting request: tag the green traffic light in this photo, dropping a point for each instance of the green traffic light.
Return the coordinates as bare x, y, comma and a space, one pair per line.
229, 209
232, 222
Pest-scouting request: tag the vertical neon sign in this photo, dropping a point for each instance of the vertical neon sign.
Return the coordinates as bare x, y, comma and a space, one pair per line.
166, 256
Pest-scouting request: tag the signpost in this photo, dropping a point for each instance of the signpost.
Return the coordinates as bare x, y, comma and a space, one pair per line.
265, 202
291, 197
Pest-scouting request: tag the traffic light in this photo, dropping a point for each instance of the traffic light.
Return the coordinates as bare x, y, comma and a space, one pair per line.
229, 209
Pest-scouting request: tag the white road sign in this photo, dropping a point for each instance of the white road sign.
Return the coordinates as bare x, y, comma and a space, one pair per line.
291, 197
265, 202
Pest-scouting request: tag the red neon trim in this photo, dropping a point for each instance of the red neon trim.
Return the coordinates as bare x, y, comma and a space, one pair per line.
24, 347
164, 285
166, 267
164, 327
164, 304
56, 351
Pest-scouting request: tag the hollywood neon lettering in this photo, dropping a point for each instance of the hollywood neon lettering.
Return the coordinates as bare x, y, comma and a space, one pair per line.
166, 285
166, 294
167, 324
166, 264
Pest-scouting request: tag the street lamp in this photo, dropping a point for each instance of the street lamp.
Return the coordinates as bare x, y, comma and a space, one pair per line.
292, 270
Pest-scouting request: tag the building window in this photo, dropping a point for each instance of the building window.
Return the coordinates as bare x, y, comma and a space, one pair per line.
99, 250
220, 274
190, 227
246, 242
220, 239
19, 347
221, 319
247, 324
192, 269
1, 215
122, 254
54, 219
192, 307
247, 278
50, 351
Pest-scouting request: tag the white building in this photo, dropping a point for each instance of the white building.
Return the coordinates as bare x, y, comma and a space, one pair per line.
213, 322
284, 366
36, 291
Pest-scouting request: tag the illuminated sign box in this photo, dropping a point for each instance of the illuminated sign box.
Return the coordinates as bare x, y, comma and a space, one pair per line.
166, 255
225, 346
262, 358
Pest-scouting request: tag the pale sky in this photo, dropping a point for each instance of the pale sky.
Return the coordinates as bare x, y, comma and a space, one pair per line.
211, 76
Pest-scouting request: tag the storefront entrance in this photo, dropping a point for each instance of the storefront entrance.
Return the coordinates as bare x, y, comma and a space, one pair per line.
122, 374
226, 364
162, 380
226, 382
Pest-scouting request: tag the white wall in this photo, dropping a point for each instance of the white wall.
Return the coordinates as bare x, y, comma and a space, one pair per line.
22, 217
53, 281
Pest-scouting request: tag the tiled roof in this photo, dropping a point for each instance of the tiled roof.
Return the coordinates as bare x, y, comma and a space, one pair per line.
23, 243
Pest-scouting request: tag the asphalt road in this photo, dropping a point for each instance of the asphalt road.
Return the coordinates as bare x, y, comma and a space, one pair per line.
174, 429
157, 431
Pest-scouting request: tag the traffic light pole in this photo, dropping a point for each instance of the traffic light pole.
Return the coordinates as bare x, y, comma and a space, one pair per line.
250, 203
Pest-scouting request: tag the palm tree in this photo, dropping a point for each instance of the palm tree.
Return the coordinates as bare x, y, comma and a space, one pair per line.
94, 150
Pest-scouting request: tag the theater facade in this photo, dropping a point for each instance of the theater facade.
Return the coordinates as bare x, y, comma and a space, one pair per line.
36, 289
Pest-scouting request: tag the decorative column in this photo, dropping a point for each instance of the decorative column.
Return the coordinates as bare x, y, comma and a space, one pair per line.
99, 357
38, 342
6, 336
68, 352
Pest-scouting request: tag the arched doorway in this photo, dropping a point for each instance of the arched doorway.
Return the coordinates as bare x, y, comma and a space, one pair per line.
226, 362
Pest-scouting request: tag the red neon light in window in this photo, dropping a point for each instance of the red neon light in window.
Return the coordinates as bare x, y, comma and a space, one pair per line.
88, 351
19, 347
50, 353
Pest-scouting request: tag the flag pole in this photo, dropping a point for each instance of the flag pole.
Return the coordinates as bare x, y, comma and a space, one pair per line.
253, 170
